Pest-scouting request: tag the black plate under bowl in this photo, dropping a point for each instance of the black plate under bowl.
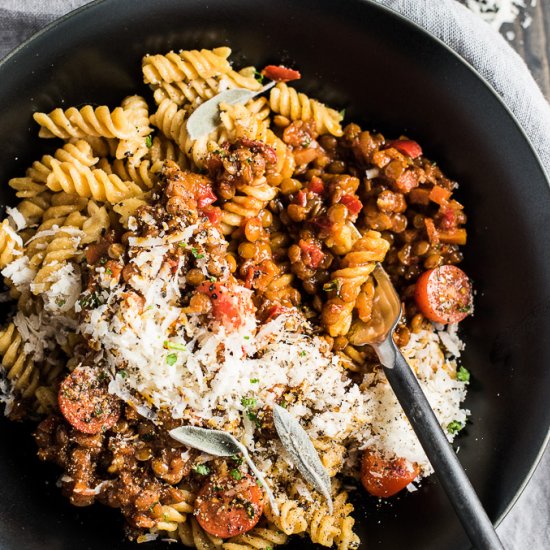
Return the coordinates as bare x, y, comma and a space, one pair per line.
391, 76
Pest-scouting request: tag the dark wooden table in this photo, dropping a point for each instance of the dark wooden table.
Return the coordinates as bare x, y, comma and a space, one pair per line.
533, 42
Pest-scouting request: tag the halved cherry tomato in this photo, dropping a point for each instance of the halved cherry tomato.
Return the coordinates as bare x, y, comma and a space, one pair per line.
407, 147
444, 294
85, 402
280, 73
226, 507
226, 305
384, 478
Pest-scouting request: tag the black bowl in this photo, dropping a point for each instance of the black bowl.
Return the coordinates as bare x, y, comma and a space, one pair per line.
389, 75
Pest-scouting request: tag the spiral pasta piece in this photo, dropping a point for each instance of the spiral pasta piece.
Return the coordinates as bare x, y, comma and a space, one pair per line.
33, 208
295, 105
202, 89
10, 244
129, 207
172, 515
191, 534
185, 65
170, 120
164, 149
252, 199
285, 165
291, 519
144, 174
259, 538
20, 370
97, 184
62, 206
135, 148
87, 121
245, 121
355, 271
327, 528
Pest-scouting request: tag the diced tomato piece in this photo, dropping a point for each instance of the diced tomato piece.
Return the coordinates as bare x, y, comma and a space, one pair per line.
226, 507
444, 294
205, 195
352, 203
384, 478
406, 182
316, 185
249, 277
448, 218
213, 213
226, 304
274, 312
279, 73
433, 235
301, 198
85, 402
312, 255
440, 195
113, 269
407, 147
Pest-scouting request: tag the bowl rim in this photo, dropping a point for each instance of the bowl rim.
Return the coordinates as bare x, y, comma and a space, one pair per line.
419, 29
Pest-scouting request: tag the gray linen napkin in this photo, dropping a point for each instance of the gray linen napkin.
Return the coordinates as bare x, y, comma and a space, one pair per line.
527, 527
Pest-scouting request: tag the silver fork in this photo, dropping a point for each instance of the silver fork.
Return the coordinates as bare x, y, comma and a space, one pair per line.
378, 333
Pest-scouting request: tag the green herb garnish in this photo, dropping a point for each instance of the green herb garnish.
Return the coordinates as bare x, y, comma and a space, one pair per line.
171, 358
201, 469
342, 113
237, 459
149, 141
174, 345
123, 374
259, 76
454, 427
463, 374
248, 402
254, 380
195, 253
236, 475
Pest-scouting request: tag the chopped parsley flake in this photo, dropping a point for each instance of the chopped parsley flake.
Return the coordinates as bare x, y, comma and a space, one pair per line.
332, 285
174, 345
196, 254
248, 402
237, 459
123, 374
149, 141
302, 354
171, 358
254, 380
454, 427
463, 374
201, 469
236, 475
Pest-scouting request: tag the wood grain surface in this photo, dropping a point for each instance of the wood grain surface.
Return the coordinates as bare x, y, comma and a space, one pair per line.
533, 42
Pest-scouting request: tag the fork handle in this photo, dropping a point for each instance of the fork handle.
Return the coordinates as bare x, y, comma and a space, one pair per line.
448, 469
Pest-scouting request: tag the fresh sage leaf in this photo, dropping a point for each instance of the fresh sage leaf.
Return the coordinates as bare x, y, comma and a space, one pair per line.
302, 452
206, 117
218, 443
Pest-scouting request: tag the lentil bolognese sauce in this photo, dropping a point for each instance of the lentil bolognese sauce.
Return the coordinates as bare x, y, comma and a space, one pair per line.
162, 279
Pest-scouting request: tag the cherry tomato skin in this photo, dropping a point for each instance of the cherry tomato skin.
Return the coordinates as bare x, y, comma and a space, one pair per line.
227, 507
85, 403
444, 294
408, 147
384, 478
280, 73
